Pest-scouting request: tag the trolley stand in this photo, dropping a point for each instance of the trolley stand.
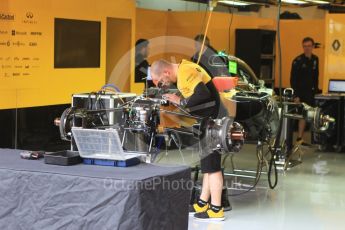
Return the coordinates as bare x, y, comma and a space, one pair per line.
333, 105
287, 148
262, 161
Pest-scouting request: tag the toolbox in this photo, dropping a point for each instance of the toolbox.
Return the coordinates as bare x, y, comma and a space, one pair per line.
114, 163
64, 158
103, 147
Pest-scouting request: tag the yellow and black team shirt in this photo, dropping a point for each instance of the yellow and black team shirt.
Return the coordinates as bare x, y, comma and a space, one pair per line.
200, 94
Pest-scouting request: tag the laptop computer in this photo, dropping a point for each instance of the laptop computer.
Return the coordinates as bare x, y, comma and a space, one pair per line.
336, 86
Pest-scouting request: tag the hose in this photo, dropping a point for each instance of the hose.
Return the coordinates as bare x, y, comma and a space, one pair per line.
205, 34
276, 146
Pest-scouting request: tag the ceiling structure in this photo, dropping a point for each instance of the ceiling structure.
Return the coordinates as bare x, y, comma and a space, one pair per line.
338, 6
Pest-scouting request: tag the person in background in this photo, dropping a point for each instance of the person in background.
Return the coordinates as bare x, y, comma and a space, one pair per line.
141, 64
209, 56
304, 79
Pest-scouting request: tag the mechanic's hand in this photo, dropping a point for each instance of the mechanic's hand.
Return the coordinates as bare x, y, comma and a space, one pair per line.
172, 98
297, 100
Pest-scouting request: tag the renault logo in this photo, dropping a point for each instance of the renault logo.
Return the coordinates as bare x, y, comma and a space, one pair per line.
336, 45
29, 15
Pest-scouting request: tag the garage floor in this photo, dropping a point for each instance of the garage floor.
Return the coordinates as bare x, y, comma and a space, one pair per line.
310, 195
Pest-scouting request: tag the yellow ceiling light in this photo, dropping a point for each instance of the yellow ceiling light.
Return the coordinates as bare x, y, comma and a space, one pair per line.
235, 3
243, 3
318, 1
294, 1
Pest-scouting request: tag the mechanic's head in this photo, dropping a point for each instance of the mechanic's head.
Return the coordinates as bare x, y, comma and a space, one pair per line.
308, 46
142, 47
162, 73
198, 41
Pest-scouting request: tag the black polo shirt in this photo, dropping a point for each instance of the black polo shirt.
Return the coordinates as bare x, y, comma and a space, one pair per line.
304, 77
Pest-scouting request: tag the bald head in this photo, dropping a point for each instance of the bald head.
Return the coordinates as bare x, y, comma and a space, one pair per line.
163, 72
158, 67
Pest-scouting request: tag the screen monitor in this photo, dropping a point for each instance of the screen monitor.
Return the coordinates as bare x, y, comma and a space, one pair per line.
336, 86
77, 43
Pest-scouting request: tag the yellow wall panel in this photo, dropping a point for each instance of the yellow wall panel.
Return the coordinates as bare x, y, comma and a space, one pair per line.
38, 83
8, 98
151, 24
189, 24
335, 56
118, 49
292, 34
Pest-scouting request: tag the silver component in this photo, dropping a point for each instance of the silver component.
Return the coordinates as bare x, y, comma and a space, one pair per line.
223, 135
142, 116
111, 114
319, 120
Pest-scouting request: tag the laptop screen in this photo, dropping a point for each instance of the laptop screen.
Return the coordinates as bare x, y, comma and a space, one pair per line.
336, 86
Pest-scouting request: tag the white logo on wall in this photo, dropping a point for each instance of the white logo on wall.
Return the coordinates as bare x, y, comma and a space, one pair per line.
337, 46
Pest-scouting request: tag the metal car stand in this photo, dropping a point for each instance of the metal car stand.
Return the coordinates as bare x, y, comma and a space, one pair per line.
288, 150
262, 161
333, 139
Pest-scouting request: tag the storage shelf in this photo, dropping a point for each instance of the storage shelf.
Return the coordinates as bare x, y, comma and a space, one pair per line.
258, 53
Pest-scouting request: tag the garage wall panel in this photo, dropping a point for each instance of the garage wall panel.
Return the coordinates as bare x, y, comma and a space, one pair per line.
27, 50
334, 48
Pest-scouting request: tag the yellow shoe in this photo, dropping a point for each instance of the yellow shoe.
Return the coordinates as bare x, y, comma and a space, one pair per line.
210, 215
299, 141
195, 208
